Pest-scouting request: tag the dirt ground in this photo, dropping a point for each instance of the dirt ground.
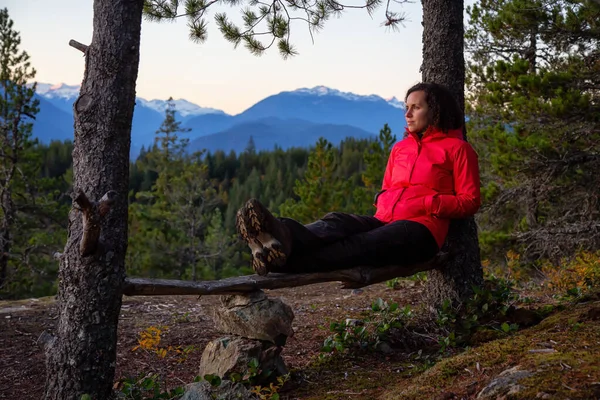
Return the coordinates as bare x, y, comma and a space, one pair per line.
189, 323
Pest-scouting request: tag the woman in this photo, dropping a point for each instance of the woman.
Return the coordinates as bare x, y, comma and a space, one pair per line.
432, 176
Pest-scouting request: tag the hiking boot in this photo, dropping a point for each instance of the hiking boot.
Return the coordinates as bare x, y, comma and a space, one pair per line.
269, 239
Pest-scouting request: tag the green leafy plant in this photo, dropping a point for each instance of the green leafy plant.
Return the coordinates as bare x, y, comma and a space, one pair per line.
486, 309
271, 392
146, 387
393, 283
182, 317
252, 379
366, 334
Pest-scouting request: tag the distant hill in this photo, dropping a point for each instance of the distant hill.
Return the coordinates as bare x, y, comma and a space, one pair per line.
329, 106
270, 132
52, 122
294, 118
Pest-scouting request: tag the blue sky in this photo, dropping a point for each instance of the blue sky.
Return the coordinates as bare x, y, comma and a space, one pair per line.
353, 53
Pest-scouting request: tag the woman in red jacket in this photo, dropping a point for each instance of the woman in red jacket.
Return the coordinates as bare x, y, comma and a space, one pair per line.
432, 176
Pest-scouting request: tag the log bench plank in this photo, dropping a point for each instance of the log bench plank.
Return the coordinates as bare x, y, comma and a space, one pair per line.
352, 278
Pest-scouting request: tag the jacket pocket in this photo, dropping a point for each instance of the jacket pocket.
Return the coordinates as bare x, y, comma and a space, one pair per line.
377, 196
409, 208
385, 202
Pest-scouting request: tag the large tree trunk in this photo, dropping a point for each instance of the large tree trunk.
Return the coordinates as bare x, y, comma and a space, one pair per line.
82, 357
5, 234
443, 62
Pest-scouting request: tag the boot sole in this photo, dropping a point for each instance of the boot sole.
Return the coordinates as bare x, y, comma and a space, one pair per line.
253, 228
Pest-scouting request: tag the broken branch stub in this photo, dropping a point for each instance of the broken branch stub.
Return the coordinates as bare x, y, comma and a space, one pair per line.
79, 46
92, 214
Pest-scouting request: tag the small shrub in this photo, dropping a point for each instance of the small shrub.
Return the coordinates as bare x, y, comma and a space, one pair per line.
271, 392
253, 376
150, 339
366, 334
573, 276
146, 386
486, 309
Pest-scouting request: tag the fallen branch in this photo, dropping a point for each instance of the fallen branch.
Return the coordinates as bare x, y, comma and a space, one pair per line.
351, 279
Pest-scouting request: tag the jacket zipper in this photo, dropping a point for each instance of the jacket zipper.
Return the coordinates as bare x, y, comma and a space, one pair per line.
409, 177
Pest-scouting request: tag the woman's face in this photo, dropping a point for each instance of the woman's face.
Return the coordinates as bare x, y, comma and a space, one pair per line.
417, 112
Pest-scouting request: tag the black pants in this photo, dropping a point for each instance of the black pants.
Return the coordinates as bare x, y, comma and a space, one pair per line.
340, 241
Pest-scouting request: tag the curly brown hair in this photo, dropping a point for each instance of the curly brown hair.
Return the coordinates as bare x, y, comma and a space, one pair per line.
447, 113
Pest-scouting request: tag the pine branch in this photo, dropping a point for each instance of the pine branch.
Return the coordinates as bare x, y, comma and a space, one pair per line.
277, 16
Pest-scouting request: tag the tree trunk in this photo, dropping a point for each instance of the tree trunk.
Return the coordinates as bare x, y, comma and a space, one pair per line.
443, 62
4, 250
5, 235
81, 358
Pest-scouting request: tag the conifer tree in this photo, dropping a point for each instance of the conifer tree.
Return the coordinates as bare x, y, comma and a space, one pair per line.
103, 115
319, 191
375, 159
443, 63
27, 206
17, 110
534, 76
220, 258
175, 213
81, 357
272, 21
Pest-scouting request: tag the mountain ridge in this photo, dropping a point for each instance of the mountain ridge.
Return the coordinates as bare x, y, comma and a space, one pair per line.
324, 111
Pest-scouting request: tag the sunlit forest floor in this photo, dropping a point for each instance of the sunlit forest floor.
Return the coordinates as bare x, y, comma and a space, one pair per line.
563, 350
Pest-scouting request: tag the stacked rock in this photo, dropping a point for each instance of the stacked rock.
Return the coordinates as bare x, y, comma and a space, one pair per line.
257, 327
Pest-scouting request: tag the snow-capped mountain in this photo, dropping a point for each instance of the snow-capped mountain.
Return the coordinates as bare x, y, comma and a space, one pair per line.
61, 90
325, 91
68, 93
394, 102
291, 118
328, 106
183, 107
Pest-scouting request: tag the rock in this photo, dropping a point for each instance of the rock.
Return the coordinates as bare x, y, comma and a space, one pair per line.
543, 395
255, 316
542, 351
384, 348
504, 384
446, 396
242, 300
593, 314
226, 391
228, 355
354, 322
523, 317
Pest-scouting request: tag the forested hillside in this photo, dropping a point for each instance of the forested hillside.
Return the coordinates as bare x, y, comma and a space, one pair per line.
534, 118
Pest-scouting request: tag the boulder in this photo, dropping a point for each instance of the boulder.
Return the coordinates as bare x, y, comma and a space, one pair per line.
504, 384
255, 316
225, 356
227, 390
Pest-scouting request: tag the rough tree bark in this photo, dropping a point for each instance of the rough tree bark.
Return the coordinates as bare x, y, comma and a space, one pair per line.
444, 63
6, 206
81, 357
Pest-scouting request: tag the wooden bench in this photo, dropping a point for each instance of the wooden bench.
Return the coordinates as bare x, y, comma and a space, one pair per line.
351, 279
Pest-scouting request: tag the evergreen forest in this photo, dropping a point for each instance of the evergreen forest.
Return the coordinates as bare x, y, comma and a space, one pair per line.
533, 106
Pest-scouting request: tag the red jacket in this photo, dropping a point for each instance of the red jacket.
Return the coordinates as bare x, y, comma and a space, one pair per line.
430, 181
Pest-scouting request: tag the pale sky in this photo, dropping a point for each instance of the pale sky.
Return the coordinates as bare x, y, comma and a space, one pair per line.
352, 54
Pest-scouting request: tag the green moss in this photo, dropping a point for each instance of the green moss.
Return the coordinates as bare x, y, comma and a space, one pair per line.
568, 372
366, 375
486, 335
